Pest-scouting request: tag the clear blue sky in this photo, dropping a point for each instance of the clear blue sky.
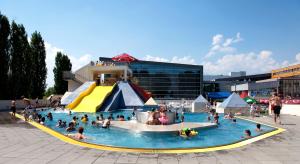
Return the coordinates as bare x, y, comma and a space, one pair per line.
163, 29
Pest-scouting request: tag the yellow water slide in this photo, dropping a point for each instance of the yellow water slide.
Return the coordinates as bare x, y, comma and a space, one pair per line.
93, 97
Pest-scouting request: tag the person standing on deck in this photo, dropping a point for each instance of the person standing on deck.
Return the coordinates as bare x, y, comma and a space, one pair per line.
277, 107
13, 109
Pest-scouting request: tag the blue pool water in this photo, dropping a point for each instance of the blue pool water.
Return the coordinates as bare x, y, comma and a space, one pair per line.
226, 133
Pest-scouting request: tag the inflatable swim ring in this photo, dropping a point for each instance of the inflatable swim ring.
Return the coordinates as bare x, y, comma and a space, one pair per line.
192, 132
83, 120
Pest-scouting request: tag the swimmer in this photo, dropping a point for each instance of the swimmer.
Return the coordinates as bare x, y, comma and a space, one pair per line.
216, 118
106, 123
74, 120
258, 128
79, 135
121, 118
208, 118
182, 117
101, 117
49, 116
98, 121
111, 116
42, 121
59, 123
247, 134
71, 127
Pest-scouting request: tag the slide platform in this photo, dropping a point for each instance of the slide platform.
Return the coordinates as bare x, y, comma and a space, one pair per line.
92, 101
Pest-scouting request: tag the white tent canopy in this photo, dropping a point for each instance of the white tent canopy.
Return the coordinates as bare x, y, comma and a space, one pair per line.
199, 104
234, 103
151, 102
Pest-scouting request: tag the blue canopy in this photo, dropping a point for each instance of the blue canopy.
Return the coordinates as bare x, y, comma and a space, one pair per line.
218, 95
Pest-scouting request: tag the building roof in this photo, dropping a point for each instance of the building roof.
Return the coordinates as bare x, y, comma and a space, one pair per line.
218, 95
154, 62
255, 77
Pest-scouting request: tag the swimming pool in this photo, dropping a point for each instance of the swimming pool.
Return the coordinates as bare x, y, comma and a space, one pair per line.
226, 133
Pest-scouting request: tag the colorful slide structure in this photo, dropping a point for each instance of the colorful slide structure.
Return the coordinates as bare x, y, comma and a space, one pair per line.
105, 98
91, 100
122, 97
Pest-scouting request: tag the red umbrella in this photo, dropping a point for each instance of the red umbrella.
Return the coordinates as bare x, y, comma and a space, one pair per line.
124, 58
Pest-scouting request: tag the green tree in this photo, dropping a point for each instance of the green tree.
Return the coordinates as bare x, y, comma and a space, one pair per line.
20, 65
49, 91
38, 68
62, 63
4, 56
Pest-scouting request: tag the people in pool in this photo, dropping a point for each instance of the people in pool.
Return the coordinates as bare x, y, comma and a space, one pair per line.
64, 124
208, 118
247, 134
98, 120
234, 120
182, 117
42, 121
101, 117
59, 123
187, 132
229, 116
121, 118
79, 135
258, 128
85, 118
111, 116
216, 118
49, 116
74, 120
106, 123
163, 119
95, 124
152, 118
71, 127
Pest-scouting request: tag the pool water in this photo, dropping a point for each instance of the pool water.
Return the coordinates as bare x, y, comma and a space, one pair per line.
226, 133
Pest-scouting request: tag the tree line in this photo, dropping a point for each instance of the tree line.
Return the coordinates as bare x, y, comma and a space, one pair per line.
23, 70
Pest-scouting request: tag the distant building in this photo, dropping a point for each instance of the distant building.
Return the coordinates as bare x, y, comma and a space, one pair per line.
167, 80
161, 80
287, 72
237, 74
284, 81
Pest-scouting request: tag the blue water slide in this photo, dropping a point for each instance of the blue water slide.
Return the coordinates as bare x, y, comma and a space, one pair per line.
130, 97
71, 97
112, 101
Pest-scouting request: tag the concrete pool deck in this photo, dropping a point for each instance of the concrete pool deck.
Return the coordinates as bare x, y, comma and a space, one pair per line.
23, 143
139, 127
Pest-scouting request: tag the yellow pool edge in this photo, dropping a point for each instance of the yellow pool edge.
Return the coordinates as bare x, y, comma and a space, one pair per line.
141, 150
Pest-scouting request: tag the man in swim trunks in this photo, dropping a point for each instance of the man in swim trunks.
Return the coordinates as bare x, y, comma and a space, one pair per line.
277, 107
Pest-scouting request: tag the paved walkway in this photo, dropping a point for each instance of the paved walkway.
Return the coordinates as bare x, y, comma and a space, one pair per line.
22, 143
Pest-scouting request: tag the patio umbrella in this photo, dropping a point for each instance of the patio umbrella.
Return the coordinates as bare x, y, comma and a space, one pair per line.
124, 58
250, 100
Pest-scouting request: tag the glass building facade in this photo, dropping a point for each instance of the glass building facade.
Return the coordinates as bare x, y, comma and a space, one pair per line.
289, 87
167, 80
